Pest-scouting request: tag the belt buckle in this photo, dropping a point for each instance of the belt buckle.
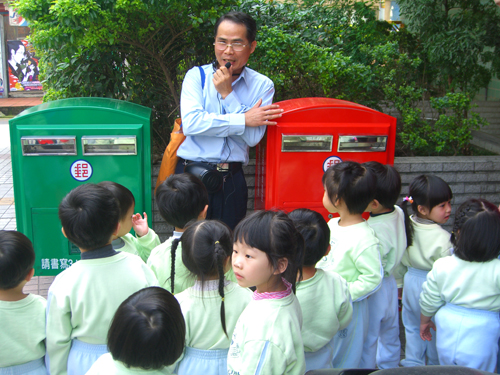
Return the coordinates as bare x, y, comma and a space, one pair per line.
223, 167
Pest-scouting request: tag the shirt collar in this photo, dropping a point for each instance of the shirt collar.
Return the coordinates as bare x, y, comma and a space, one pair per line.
383, 213
101, 252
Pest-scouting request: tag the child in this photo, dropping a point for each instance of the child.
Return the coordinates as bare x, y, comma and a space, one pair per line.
382, 346
463, 292
147, 334
430, 200
146, 239
323, 295
349, 188
22, 316
213, 305
83, 299
180, 199
267, 254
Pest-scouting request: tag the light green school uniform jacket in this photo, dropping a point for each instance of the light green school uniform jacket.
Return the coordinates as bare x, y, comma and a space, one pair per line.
354, 256
22, 330
140, 246
474, 285
326, 308
201, 310
267, 339
83, 299
430, 242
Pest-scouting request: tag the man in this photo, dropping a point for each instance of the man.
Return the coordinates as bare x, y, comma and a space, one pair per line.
225, 114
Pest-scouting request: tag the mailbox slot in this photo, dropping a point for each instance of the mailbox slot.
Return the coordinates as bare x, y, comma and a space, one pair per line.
362, 143
306, 143
109, 145
53, 145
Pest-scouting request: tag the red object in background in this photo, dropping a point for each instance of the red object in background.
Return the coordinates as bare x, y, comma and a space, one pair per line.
313, 134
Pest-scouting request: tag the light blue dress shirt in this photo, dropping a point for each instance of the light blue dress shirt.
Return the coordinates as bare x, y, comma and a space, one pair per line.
214, 127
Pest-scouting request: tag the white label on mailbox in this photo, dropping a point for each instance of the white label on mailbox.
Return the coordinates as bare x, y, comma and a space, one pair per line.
332, 160
81, 170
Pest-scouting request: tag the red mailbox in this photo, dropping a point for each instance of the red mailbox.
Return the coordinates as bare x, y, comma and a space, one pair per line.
313, 134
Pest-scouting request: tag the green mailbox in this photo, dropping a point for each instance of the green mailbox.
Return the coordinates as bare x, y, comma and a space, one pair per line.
59, 145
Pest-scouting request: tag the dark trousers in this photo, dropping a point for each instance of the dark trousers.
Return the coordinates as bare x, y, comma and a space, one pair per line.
229, 204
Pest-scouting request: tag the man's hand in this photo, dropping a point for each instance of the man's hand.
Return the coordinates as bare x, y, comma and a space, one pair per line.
257, 115
140, 225
223, 81
425, 327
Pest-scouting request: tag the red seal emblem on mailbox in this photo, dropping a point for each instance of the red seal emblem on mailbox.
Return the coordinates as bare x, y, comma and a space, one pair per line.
332, 160
81, 170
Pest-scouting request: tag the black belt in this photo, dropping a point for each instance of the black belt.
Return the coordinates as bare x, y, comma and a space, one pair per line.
221, 167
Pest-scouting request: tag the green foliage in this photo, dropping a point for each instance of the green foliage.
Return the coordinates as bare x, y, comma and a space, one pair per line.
460, 37
452, 130
140, 50
126, 49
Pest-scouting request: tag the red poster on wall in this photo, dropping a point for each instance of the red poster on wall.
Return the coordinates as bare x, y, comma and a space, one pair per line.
23, 66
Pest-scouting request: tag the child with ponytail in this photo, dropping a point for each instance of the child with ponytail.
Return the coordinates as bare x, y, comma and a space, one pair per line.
462, 291
268, 254
206, 253
430, 198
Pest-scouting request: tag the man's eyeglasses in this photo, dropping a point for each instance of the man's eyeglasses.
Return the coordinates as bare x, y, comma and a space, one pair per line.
237, 47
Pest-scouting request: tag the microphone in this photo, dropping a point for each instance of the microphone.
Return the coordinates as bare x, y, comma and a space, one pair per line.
227, 65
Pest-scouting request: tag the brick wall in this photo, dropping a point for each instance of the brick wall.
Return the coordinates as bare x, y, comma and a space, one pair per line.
468, 177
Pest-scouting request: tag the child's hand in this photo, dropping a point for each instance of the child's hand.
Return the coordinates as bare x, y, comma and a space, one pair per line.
425, 327
140, 225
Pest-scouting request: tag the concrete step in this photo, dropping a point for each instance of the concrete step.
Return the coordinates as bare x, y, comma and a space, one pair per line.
487, 141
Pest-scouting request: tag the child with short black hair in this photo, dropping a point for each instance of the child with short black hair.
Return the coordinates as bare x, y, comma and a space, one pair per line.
323, 295
462, 291
382, 347
180, 199
83, 299
146, 239
206, 252
22, 316
349, 189
147, 333
430, 198
267, 254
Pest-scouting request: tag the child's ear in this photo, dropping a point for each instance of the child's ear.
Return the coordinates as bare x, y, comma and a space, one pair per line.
203, 214
30, 275
423, 210
373, 205
63, 232
328, 250
117, 229
282, 266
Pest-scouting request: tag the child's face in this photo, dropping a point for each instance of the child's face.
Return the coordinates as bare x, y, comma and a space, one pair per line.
327, 203
440, 213
252, 267
126, 223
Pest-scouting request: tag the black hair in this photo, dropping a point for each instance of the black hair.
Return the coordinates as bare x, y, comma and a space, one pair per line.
351, 182
148, 330
181, 198
477, 231
89, 215
206, 246
467, 210
17, 258
124, 196
274, 233
239, 18
314, 229
429, 191
388, 183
